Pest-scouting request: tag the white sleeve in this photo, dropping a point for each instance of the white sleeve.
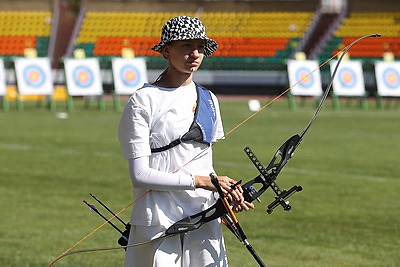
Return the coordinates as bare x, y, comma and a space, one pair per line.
143, 176
133, 129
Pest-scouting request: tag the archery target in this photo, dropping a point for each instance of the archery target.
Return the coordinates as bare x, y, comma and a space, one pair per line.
34, 76
129, 74
388, 78
2, 78
391, 78
307, 76
349, 79
305, 80
83, 77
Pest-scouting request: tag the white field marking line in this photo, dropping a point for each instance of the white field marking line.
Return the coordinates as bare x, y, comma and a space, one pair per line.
15, 146
107, 155
70, 151
221, 163
308, 172
97, 153
64, 151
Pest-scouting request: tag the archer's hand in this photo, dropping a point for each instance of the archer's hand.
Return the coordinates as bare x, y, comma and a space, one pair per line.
230, 188
232, 192
242, 206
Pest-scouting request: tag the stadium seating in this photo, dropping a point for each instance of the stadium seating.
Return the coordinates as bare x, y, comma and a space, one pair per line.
21, 30
267, 35
15, 45
247, 40
360, 24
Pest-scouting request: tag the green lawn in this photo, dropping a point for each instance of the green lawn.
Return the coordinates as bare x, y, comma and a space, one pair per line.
347, 214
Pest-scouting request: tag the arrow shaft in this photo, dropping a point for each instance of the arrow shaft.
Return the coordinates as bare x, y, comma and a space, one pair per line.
93, 208
110, 211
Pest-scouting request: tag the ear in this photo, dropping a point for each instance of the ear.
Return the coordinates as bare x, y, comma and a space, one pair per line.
165, 51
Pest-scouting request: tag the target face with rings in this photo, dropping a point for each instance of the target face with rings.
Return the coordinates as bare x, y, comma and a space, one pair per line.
130, 75
83, 76
34, 76
347, 78
305, 78
387, 74
391, 78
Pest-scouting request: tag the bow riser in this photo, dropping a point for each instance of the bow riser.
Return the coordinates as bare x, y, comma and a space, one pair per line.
268, 175
283, 154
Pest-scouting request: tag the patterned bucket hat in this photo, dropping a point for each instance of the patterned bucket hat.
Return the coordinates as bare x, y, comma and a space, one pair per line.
185, 28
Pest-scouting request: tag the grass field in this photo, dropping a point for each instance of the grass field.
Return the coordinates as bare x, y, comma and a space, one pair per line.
347, 214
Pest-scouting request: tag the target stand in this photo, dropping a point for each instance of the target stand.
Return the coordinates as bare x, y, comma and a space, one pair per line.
349, 99
87, 102
50, 103
4, 103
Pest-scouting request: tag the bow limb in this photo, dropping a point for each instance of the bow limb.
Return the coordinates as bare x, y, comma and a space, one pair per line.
187, 224
326, 93
107, 248
69, 252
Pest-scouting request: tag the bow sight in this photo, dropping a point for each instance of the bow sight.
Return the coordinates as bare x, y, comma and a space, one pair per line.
268, 175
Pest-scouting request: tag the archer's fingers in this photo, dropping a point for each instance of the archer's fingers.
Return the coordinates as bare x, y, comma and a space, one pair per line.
231, 189
236, 194
237, 209
247, 205
243, 206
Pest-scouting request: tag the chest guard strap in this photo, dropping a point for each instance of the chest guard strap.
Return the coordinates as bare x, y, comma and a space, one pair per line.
202, 127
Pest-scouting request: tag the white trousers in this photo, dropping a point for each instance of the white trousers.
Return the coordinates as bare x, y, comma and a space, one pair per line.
203, 247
